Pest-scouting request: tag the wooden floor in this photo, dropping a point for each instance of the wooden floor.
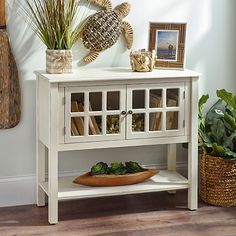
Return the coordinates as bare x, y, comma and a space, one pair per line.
150, 214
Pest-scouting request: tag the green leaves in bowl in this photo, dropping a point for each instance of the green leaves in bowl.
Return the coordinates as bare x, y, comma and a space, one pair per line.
116, 168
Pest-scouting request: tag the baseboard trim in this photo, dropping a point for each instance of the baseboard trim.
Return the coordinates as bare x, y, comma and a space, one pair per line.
17, 190
20, 190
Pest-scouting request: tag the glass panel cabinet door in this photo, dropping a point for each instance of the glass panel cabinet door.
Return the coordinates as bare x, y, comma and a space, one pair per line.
95, 114
155, 110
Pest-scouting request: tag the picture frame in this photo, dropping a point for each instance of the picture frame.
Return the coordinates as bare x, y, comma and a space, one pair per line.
168, 41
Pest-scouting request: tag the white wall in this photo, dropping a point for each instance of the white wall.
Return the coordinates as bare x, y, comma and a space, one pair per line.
209, 50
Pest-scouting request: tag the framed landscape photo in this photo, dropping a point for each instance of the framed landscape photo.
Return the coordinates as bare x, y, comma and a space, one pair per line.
168, 40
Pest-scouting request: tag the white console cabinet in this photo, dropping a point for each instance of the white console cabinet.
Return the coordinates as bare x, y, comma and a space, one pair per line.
96, 108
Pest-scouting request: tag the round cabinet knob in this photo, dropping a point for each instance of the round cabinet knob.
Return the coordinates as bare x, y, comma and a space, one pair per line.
130, 112
123, 113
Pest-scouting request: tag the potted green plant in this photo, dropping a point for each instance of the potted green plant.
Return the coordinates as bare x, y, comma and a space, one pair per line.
217, 134
56, 24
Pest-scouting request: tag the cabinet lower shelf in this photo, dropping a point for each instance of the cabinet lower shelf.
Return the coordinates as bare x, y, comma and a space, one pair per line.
163, 181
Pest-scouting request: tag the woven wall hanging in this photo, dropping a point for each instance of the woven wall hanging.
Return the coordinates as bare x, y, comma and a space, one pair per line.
10, 100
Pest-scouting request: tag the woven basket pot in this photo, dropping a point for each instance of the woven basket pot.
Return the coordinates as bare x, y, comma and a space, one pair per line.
58, 61
218, 181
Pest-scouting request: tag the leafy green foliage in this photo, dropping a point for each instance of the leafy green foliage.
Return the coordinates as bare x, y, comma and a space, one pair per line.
229, 99
100, 168
54, 21
201, 118
217, 128
133, 167
116, 168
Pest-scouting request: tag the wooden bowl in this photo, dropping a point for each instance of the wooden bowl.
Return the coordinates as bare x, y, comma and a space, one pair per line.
114, 180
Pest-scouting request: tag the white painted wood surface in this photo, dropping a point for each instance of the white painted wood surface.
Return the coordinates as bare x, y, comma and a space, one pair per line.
40, 172
122, 143
171, 160
147, 110
171, 157
40, 150
61, 116
87, 113
193, 149
53, 157
116, 73
165, 180
43, 107
55, 116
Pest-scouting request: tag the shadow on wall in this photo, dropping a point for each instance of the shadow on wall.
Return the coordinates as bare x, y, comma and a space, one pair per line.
28, 54
26, 43
138, 17
214, 54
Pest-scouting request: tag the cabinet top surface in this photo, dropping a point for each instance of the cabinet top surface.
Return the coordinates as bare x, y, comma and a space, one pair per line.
114, 73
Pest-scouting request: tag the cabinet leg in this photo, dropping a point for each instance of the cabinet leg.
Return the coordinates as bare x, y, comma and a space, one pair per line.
40, 172
193, 149
171, 157
53, 157
53, 186
171, 160
192, 176
52, 210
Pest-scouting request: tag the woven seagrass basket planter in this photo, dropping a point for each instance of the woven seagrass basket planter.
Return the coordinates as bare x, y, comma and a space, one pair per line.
217, 181
58, 61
